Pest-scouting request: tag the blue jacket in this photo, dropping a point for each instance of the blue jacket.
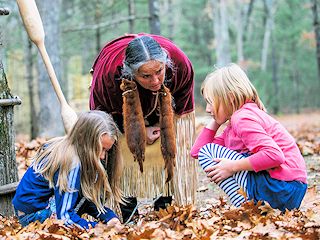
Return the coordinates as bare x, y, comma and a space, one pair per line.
33, 194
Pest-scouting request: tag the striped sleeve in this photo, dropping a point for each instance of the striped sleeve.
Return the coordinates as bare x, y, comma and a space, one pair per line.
66, 202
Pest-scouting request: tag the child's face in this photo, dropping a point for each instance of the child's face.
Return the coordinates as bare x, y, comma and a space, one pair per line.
220, 116
106, 143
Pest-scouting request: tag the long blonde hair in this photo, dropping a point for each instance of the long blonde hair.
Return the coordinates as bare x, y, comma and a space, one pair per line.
82, 145
231, 87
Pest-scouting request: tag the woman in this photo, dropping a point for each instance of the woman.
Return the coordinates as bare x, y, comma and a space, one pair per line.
152, 62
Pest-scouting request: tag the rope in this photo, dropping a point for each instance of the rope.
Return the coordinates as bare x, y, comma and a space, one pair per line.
130, 90
154, 107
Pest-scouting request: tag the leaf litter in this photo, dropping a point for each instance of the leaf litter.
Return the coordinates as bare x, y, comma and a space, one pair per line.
214, 218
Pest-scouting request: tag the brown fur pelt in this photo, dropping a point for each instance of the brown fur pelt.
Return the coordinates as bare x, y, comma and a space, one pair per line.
167, 132
133, 122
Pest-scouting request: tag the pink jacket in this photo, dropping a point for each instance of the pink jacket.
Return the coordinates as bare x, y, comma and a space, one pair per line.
269, 144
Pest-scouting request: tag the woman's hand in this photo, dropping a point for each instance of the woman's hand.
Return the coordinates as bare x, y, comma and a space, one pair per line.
222, 170
153, 133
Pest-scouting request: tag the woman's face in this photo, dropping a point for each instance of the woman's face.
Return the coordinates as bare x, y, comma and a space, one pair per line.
151, 75
106, 143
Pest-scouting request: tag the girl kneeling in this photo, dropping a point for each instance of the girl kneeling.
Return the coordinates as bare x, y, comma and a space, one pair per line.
69, 172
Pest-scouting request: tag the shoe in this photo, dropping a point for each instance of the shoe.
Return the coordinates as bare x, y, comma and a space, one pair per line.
162, 203
128, 207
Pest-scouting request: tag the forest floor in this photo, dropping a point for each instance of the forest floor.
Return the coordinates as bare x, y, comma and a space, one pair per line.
212, 217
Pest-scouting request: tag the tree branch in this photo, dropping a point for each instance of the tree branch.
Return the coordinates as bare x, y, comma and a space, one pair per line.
103, 25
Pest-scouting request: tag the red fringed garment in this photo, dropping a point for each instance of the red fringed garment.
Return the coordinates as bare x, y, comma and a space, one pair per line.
106, 95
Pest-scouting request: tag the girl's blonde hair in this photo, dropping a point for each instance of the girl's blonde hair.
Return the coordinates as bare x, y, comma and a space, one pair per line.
231, 87
83, 145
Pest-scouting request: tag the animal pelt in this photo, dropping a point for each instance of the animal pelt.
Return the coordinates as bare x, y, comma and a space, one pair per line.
133, 121
167, 132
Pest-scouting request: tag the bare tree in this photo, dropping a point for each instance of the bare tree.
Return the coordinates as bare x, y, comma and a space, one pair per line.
88, 43
154, 20
269, 7
317, 31
131, 11
275, 78
240, 22
248, 11
50, 123
171, 20
31, 91
240, 17
221, 31
97, 19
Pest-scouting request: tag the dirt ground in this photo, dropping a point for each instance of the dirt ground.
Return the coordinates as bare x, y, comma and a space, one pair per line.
209, 192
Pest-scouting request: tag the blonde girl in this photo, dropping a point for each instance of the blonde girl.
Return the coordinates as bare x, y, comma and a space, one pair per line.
71, 168
254, 152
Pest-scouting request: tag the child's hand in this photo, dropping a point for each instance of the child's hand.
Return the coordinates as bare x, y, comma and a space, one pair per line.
213, 125
115, 223
222, 170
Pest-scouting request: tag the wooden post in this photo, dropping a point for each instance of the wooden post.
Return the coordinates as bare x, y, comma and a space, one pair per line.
8, 167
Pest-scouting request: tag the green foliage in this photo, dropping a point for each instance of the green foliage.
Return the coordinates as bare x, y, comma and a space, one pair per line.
190, 25
296, 54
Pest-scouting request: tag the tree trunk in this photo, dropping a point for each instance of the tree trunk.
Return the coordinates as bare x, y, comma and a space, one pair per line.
221, 31
171, 20
269, 12
50, 123
294, 74
240, 15
97, 19
8, 167
154, 20
247, 20
30, 81
317, 31
131, 10
275, 78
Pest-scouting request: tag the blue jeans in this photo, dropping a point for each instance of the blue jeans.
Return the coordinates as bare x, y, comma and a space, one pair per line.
40, 215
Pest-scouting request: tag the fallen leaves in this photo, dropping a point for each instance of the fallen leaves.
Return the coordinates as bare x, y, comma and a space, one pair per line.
24, 152
307, 138
221, 221
216, 220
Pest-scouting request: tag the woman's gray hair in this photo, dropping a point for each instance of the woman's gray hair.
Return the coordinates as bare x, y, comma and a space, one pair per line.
141, 50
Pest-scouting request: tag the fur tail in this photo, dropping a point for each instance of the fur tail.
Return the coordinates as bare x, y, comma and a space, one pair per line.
134, 126
168, 138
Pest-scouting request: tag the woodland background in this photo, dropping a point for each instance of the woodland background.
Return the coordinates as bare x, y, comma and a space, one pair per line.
277, 42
